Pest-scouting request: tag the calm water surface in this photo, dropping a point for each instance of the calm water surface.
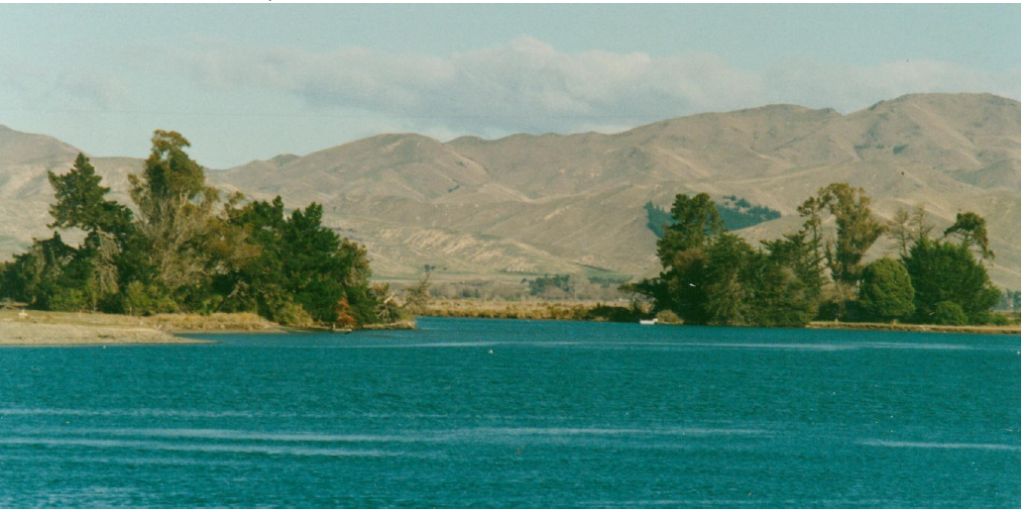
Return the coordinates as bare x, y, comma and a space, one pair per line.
492, 413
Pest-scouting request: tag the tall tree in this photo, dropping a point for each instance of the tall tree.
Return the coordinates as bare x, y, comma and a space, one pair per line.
941, 271
972, 230
81, 201
683, 254
856, 229
175, 214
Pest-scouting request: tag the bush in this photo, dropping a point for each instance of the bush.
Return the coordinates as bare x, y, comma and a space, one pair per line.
291, 314
666, 316
602, 312
143, 300
68, 299
949, 313
885, 291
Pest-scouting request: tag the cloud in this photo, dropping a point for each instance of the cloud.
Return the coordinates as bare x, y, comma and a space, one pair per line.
852, 87
527, 85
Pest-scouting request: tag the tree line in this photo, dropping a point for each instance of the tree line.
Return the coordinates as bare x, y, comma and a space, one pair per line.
710, 276
186, 247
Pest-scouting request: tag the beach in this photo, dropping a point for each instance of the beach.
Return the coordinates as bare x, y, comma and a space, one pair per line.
49, 328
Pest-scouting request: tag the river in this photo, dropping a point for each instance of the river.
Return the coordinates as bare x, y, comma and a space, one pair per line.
507, 413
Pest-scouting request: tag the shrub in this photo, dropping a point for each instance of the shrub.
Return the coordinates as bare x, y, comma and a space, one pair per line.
886, 292
949, 313
148, 299
666, 316
68, 299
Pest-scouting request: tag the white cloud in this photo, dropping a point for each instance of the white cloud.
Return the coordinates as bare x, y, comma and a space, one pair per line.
523, 85
527, 85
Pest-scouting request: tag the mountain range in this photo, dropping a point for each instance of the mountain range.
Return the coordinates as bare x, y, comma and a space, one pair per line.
533, 204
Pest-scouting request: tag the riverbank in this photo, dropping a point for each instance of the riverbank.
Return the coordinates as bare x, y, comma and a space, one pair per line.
585, 310
879, 326
522, 310
41, 328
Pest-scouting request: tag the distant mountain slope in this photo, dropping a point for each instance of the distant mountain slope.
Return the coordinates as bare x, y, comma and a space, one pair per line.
564, 203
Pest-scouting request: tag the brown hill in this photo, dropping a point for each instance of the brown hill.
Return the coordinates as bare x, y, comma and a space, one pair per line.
574, 203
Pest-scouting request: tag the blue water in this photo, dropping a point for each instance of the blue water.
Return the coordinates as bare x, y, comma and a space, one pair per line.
493, 413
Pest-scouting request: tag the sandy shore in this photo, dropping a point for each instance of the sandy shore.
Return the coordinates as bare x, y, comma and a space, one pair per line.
48, 328
973, 329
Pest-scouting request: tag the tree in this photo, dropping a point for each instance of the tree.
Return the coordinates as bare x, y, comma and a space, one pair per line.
941, 271
696, 223
723, 284
175, 216
886, 292
295, 263
899, 228
34, 276
949, 313
971, 229
682, 252
81, 201
418, 295
856, 229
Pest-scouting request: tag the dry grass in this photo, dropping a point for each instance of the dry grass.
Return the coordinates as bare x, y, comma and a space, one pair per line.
524, 310
879, 326
215, 322
30, 327
60, 328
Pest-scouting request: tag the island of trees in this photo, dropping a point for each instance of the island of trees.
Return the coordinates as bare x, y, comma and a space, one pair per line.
186, 247
713, 277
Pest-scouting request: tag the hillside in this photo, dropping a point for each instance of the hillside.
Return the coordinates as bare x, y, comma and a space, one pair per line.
499, 209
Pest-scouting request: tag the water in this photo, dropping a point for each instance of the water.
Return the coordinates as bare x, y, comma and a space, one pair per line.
492, 413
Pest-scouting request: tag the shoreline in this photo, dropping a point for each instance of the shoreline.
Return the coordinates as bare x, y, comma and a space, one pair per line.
879, 326
35, 328
576, 310
31, 328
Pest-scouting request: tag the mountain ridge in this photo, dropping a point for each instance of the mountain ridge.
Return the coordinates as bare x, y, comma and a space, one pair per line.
525, 203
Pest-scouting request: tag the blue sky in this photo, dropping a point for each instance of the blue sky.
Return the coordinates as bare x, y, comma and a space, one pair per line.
252, 81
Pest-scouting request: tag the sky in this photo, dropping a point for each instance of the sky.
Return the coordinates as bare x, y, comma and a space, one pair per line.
252, 81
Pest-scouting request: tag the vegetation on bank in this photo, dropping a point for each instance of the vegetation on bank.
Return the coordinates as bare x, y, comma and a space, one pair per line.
713, 277
185, 248
735, 213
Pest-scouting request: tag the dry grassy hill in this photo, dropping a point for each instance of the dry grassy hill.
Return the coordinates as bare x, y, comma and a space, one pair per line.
497, 209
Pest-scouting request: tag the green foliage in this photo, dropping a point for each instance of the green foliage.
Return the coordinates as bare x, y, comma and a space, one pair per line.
81, 201
972, 230
35, 275
146, 299
179, 254
725, 281
947, 272
780, 293
418, 296
296, 260
711, 277
69, 299
736, 213
604, 312
856, 229
547, 284
886, 292
668, 317
948, 313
